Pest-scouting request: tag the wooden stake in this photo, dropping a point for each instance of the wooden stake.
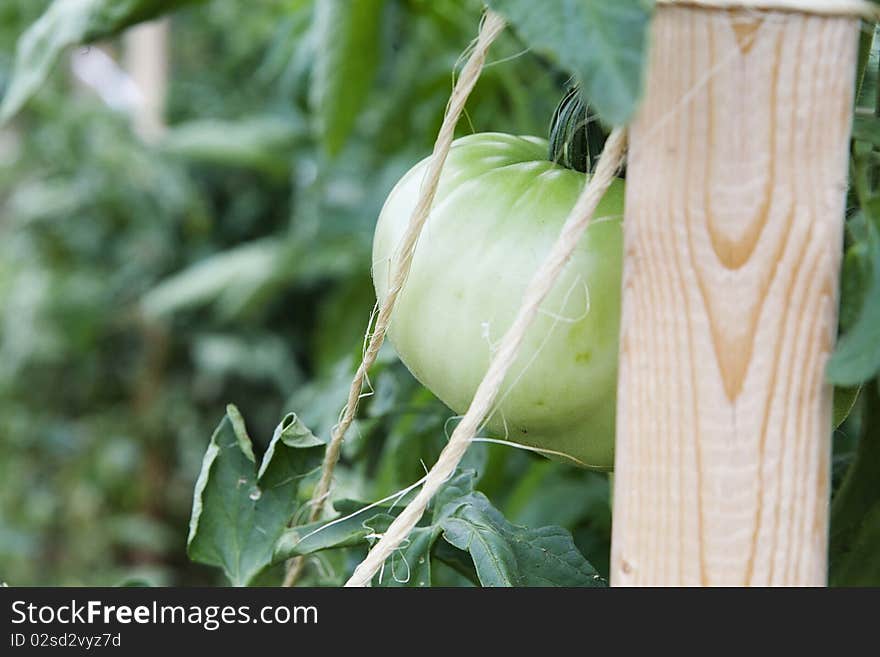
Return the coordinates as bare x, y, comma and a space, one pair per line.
146, 58
735, 198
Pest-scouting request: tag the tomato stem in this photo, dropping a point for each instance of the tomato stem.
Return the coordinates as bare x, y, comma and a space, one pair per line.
576, 136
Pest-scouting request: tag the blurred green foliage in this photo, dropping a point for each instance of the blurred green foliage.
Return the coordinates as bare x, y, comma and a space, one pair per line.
145, 285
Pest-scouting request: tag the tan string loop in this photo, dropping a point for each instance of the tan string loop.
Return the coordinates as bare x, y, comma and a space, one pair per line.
491, 26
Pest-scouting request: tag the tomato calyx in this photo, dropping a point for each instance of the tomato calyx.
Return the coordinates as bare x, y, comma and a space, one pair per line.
576, 136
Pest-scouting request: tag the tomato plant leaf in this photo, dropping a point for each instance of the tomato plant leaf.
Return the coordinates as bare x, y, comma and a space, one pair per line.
857, 357
240, 510
505, 554
602, 43
410, 565
347, 37
854, 546
478, 539
866, 129
460, 485
855, 277
845, 399
68, 23
231, 277
345, 531
262, 143
861, 564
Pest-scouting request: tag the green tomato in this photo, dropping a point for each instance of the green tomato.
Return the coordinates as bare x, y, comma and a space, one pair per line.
499, 208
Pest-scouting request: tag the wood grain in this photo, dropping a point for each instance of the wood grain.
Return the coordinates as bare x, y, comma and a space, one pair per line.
735, 199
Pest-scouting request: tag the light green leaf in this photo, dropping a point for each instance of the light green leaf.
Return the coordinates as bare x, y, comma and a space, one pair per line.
857, 357
508, 555
347, 37
233, 276
346, 531
261, 143
602, 43
240, 511
68, 23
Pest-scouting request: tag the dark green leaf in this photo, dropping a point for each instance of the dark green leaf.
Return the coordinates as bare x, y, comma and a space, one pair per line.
410, 565
498, 553
844, 400
602, 43
413, 439
461, 485
508, 555
239, 511
576, 137
854, 549
347, 35
458, 560
861, 566
855, 277
857, 357
68, 23
866, 129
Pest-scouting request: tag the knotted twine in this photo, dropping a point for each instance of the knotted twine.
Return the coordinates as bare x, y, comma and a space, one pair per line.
491, 26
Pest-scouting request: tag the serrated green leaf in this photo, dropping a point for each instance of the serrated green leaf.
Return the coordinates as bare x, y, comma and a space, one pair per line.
347, 37
68, 23
602, 43
857, 356
239, 510
508, 555
503, 554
